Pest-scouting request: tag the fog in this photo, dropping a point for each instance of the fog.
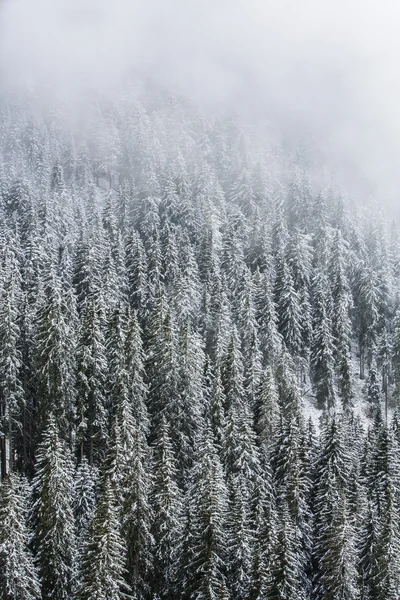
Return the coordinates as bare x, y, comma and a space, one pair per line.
330, 67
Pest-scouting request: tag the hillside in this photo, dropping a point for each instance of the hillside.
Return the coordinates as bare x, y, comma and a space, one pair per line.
199, 361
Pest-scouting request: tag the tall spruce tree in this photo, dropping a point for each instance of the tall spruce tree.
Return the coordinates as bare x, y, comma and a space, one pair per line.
55, 534
288, 308
12, 396
334, 538
19, 579
287, 570
206, 575
103, 567
167, 504
55, 358
92, 414
322, 348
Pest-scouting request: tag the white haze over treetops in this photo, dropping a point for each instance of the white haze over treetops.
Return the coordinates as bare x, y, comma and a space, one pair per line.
329, 66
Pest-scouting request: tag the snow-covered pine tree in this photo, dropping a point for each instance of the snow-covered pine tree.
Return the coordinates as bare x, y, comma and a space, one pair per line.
12, 397
137, 514
19, 579
167, 527
367, 303
380, 542
270, 338
92, 413
338, 563
104, 561
85, 498
287, 570
288, 308
322, 348
206, 574
55, 343
333, 531
136, 268
187, 416
341, 321
53, 517
266, 410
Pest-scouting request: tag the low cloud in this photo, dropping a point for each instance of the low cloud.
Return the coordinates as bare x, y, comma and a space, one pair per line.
324, 65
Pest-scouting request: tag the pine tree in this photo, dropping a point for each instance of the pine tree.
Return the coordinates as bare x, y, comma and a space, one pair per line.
396, 356
298, 201
338, 572
241, 461
128, 464
134, 364
321, 232
18, 576
206, 576
168, 513
55, 536
233, 263
188, 292
241, 535
187, 409
287, 574
242, 192
373, 389
322, 349
288, 389
381, 547
335, 571
341, 322
154, 275
232, 373
55, 359
265, 524
12, 397
367, 542
103, 566
217, 411
367, 303
137, 517
293, 486
217, 318
288, 308
252, 355
136, 267
87, 264
298, 255
270, 338
85, 497
266, 410
115, 343
91, 380
162, 371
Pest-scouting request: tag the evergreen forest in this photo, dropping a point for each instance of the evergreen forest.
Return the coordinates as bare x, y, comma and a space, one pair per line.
199, 362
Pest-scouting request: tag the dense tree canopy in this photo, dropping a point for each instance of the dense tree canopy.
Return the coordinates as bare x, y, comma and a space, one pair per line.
178, 294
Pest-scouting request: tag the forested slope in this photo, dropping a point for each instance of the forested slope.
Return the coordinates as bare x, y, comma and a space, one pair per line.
177, 291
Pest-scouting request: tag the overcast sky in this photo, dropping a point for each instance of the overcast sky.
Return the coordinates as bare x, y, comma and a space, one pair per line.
330, 65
